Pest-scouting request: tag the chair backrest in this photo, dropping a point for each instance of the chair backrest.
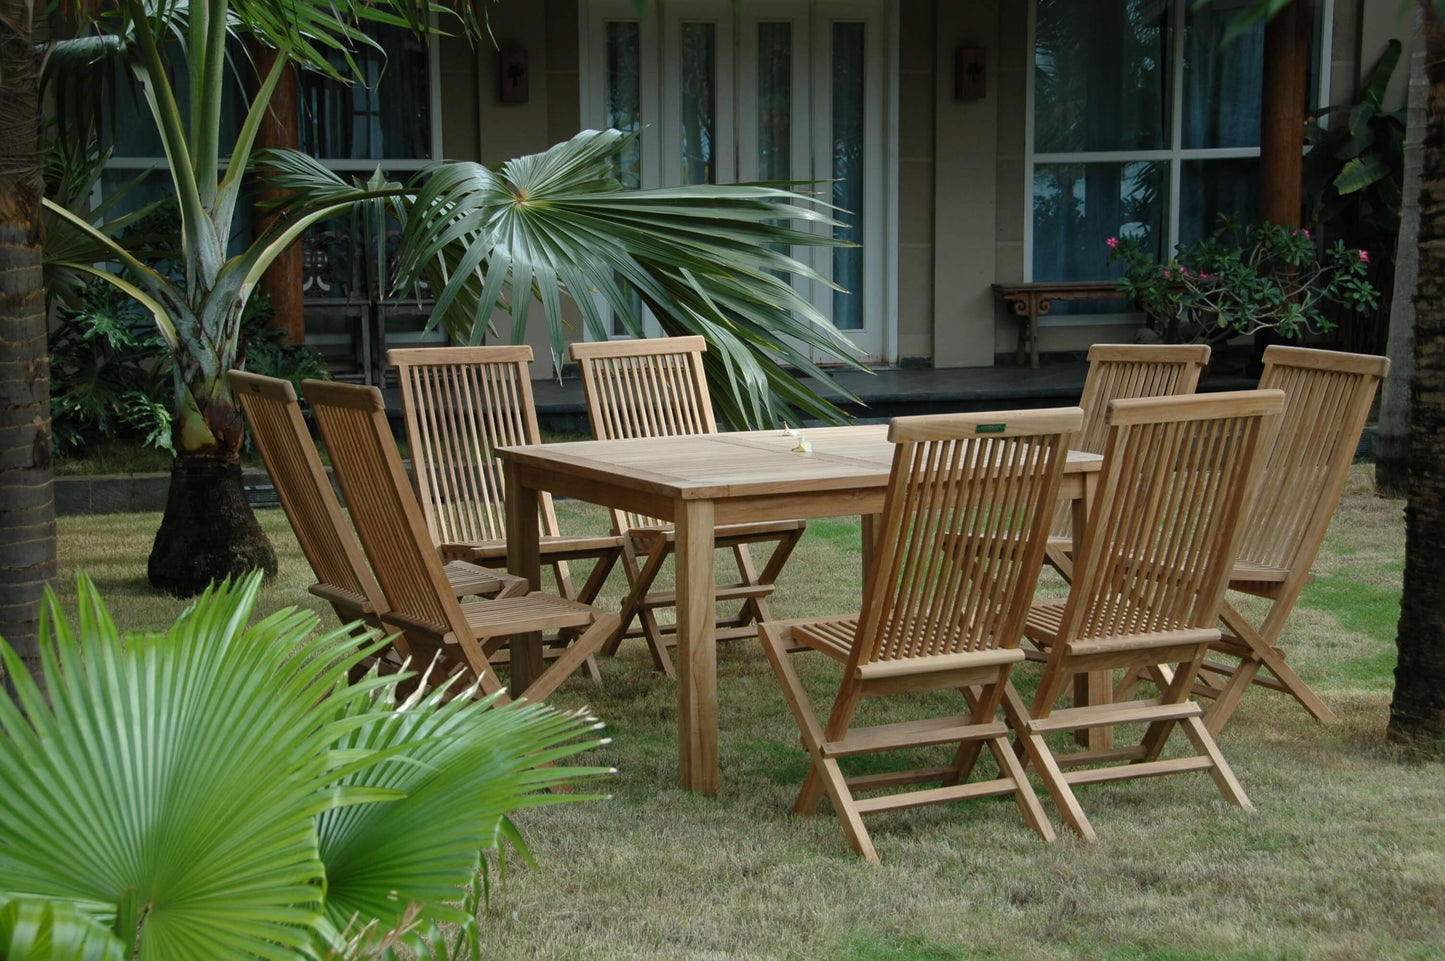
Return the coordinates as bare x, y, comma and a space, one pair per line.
963, 531
645, 388
305, 492
1177, 478
385, 510
461, 403
1121, 371
1327, 399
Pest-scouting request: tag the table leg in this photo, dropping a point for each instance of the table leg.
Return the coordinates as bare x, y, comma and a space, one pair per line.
696, 647
1096, 687
523, 560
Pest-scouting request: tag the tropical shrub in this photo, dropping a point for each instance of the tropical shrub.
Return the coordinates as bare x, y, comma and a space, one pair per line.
111, 374
1243, 279
223, 790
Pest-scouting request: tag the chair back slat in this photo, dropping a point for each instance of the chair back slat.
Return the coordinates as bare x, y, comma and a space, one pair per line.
1163, 530
645, 388
1327, 400
305, 492
1121, 371
963, 532
461, 403
383, 506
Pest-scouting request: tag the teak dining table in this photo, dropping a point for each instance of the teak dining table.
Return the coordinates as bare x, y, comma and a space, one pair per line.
697, 482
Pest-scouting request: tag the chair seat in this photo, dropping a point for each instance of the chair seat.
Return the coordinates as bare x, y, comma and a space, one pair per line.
646, 539
1252, 573
467, 579
561, 547
534, 612
1045, 621
832, 636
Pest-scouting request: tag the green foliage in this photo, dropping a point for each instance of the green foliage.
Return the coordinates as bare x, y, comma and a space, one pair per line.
223, 789
704, 259
1243, 279
109, 373
1355, 168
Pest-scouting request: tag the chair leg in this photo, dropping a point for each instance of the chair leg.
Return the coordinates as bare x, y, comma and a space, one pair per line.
1043, 759
572, 658
823, 771
640, 576
1224, 778
1227, 700
1028, 801
1273, 661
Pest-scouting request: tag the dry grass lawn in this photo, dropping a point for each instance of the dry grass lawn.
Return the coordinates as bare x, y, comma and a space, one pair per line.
1344, 858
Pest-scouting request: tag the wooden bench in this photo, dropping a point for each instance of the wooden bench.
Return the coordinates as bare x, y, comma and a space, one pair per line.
1031, 301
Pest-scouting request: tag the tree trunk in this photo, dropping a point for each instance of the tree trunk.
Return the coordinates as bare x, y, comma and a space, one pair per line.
209, 531
1392, 446
27, 508
1417, 711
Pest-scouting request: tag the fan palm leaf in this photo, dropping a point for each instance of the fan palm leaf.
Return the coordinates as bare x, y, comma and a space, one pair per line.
706, 260
192, 790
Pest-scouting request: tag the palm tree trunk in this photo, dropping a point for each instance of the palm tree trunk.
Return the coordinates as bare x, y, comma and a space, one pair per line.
1417, 711
27, 508
1392, 448
209, 531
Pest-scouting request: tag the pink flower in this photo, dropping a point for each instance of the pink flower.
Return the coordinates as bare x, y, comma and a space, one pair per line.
1168, 273
1205, 276
1112, 242
1365, 256
1301, 230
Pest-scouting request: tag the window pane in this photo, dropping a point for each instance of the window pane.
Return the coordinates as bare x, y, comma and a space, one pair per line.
849, 65
1100, 75
775, 101
131, 128
385, 114
699, 103
1209, 187
1078, 207
624, 97
1222, 81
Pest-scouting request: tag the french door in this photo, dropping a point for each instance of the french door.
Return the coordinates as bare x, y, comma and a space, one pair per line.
760, 91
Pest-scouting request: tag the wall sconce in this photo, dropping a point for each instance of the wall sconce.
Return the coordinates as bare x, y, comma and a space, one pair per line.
512, 73
970, 73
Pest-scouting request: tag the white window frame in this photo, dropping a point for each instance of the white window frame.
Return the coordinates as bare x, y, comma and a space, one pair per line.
1176, 154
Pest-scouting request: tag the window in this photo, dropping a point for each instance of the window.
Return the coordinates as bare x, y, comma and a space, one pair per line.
1143, 123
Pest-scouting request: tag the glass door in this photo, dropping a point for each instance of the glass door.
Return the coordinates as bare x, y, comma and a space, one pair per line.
762, 91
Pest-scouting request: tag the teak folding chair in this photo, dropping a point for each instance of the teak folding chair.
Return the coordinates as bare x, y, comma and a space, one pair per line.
343, 578
960, 545
1328, 397
460, 404
1118, 372
656, 388
388, 518
1149, 577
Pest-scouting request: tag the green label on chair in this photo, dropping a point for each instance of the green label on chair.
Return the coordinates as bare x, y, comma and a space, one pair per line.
990, 428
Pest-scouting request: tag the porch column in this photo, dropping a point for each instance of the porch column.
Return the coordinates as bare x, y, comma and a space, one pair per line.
1282, 117
283, 279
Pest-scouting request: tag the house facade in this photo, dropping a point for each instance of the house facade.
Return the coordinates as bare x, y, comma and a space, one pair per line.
970, 142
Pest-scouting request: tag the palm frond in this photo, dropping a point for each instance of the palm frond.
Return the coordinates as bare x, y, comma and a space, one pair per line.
462, 766
176, 778
704, 260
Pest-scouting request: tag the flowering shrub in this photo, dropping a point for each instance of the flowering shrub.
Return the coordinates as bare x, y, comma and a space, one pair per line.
1243, 279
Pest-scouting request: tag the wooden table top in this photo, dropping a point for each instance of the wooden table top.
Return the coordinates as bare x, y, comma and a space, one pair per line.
732, 465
